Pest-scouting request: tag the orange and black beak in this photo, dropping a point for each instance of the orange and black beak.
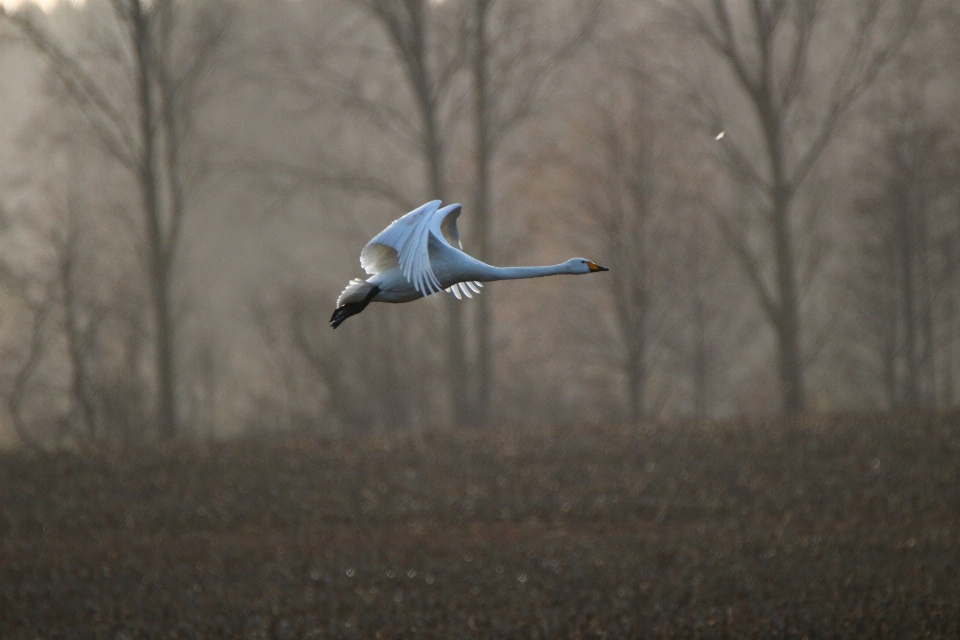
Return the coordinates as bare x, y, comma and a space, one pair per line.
595, 267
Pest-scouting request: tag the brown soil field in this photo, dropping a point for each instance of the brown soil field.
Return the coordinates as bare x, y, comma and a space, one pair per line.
820, 527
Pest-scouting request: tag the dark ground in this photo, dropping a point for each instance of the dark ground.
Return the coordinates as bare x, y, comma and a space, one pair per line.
822, 527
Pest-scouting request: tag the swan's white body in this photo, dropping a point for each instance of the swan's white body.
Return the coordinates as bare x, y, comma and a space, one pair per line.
420, 254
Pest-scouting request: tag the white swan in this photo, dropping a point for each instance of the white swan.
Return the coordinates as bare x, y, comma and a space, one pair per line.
420, 254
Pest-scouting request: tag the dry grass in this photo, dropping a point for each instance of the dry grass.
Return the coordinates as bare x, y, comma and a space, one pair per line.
824, 527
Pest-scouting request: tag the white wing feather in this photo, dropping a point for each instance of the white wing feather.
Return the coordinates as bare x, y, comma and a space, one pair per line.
377, 258
444, 228
465, 288
444, 225
356, 291
404, 243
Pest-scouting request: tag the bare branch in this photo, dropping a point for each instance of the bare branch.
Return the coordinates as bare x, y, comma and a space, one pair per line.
106, 119
861, 67
749, 262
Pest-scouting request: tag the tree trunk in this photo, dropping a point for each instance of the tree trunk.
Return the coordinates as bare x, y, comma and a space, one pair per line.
484, 370
410, 38
890, 314
910, 392
788, 323
949, 351
787, 311
636, 366
158, 265
699, 354
73, 334
457, 370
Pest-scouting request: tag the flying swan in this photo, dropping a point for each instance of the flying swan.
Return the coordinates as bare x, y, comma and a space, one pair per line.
420, 254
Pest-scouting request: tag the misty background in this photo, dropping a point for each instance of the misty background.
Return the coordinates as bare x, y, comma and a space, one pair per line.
185, 187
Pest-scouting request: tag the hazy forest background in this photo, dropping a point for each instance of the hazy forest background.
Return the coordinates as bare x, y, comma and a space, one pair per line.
185, 187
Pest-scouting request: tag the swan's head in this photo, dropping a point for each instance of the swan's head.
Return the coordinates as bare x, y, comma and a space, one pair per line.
582, 265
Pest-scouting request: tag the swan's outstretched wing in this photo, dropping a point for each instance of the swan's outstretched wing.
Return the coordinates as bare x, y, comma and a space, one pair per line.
404, 243
444, 227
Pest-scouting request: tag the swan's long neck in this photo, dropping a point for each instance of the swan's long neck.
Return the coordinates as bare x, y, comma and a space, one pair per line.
520, 273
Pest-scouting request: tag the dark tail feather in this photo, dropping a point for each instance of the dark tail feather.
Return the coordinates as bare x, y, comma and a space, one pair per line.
351, 309
344, 312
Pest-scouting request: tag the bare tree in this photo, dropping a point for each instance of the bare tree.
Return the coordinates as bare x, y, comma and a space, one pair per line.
429, 69
145, 131
78, 331
20, 366
639, 182
205, 375
621, 196
381, 382
430, 45
905, 287
339, 80
511, 69
78, 271
774, 52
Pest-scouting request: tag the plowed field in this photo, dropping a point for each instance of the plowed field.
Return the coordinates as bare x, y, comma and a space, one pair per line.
839, 527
